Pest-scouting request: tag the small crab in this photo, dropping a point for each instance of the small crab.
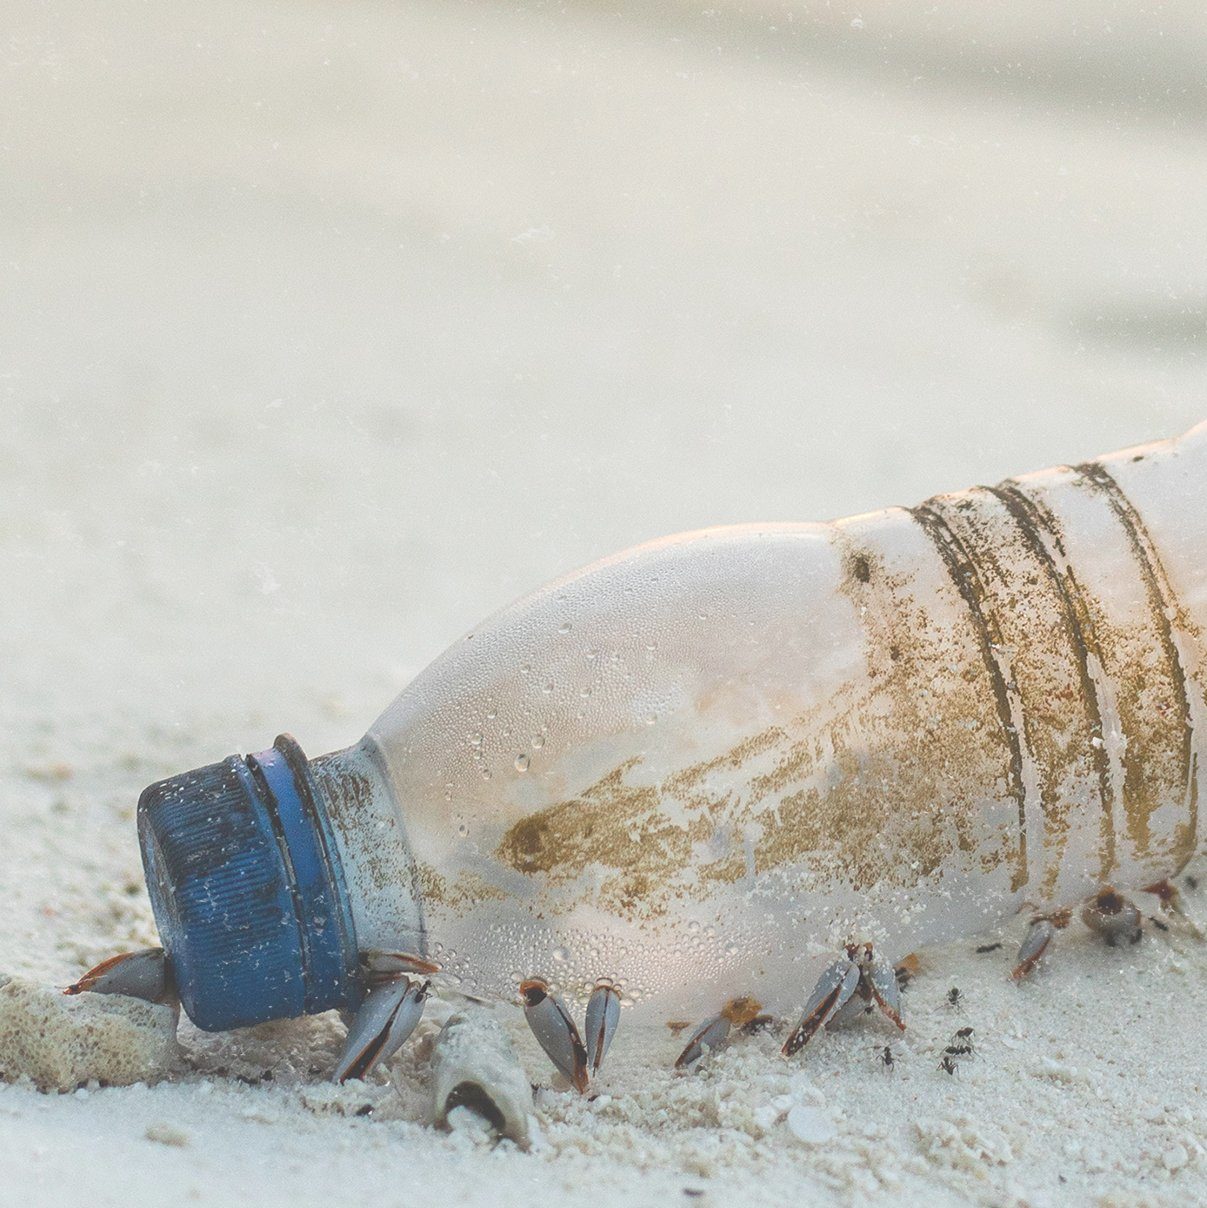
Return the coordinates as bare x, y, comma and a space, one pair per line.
849, 987
396, 986
855, 985
743, 1013
1108, 914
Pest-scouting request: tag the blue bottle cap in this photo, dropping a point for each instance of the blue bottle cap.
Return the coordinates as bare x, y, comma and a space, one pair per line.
248, 892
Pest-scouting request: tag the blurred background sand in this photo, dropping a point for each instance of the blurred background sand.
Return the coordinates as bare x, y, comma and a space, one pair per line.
327, 329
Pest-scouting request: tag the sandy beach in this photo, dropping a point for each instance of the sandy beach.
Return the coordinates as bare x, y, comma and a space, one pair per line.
329, 329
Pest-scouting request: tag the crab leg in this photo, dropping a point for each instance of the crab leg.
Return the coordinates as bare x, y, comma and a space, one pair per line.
743, 1012
1169, 898
1166, 893
833, 990
389, 1014
603, 1014
880, 978
860, 1003
382, 967
555, 1031
1035, 944
146, 974
709, 1036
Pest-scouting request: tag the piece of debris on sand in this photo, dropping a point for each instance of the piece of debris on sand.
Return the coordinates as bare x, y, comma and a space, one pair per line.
61, 1041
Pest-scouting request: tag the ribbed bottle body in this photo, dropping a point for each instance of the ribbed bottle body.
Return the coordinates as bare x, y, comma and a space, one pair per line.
697, 766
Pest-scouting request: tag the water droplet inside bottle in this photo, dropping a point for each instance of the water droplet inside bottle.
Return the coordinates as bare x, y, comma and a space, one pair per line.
564, 627
538, 741
561, 955
521, 763
548, 688
463, 831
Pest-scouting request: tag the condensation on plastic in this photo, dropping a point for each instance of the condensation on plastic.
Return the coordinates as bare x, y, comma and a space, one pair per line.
699, 766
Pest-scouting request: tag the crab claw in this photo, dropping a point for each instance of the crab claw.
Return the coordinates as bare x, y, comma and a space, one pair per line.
1112, 916
384, 967
833, 990
1035, 944
146, 974
389, 1014
603, 1014
555, 1031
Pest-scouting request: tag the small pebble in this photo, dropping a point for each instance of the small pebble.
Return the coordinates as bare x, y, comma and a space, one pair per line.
466, 1120
810, 1126
166, 1134
1175, 1157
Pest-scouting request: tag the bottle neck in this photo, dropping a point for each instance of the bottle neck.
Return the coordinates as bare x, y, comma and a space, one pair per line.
379, 872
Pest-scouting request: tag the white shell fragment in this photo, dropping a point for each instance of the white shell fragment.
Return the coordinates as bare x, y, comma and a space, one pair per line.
62, 1041
474, 1068
810, 1125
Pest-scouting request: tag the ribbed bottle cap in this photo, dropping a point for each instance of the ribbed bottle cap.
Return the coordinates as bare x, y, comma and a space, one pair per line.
247, 890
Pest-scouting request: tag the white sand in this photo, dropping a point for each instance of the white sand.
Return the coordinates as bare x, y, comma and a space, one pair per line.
328, 328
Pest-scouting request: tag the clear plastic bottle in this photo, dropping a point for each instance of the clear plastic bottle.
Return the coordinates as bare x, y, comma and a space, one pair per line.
698, 767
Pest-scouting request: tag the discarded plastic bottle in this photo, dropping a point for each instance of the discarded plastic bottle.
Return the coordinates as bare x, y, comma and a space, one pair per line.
693, 767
